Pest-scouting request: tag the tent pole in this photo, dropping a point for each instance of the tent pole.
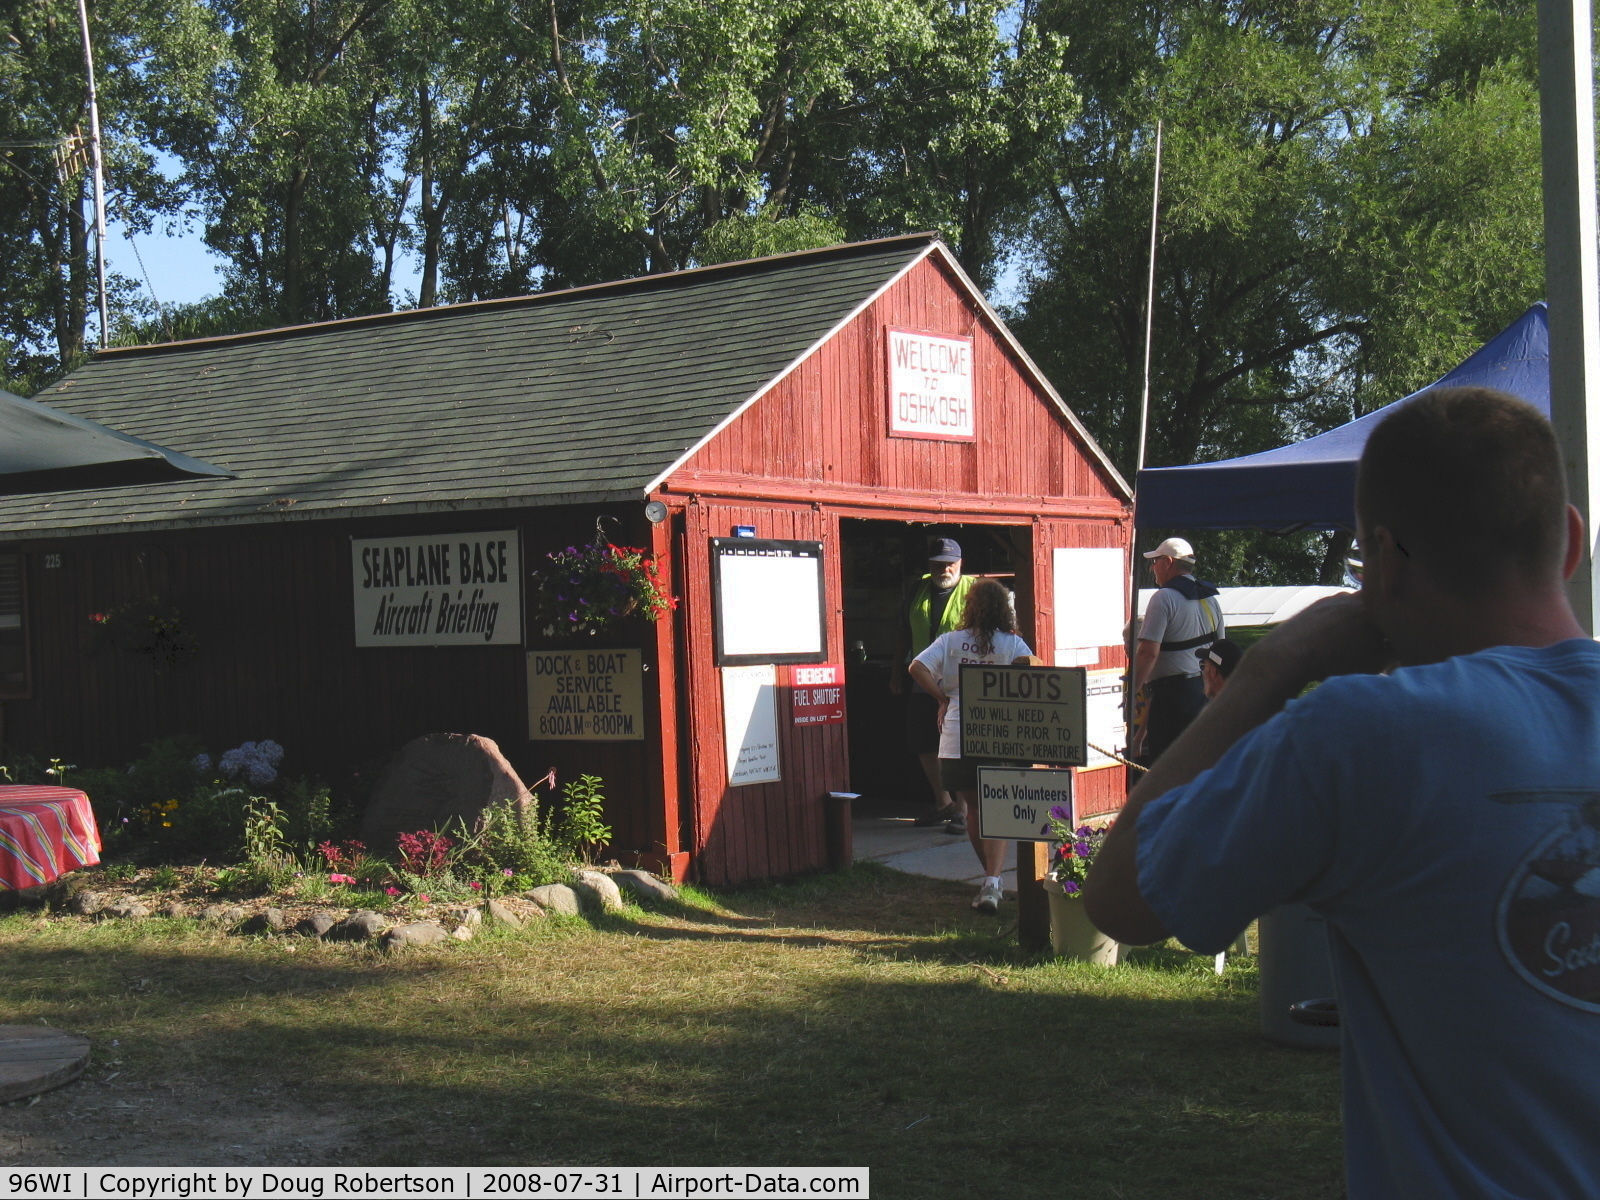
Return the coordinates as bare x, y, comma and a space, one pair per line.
1566, 110
1149, 310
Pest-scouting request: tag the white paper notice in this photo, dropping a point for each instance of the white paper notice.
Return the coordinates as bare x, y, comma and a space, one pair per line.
1105, 716
1089, 594
750, 724
770, 605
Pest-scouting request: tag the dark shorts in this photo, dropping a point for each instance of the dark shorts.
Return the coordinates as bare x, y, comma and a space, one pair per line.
922, 722
1175, 700
961, 774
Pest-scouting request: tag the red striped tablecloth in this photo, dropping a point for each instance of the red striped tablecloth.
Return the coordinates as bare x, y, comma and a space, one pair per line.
44, 832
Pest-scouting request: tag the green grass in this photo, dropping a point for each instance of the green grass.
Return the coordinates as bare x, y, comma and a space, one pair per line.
867, 1019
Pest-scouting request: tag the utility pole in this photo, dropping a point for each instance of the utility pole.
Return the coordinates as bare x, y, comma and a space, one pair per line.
99, 173
1572, 283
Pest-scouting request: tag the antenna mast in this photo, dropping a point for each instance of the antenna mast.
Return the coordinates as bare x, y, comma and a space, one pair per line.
1149, 306
99, 174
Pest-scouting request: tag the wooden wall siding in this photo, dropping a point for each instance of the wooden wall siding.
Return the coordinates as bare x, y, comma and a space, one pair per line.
271, 607
758, 830
825, 423
1105, 789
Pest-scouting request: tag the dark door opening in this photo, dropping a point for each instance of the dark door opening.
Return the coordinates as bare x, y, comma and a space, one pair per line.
882, 562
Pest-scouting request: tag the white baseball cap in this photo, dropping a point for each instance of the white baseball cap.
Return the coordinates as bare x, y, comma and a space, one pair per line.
1173, 548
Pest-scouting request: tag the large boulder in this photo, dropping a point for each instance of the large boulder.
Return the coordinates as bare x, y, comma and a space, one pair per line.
436, 781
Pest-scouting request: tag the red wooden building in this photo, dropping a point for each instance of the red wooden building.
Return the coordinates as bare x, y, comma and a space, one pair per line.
861, 398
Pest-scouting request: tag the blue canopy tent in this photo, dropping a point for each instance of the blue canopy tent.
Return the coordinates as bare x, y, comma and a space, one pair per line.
1311, 484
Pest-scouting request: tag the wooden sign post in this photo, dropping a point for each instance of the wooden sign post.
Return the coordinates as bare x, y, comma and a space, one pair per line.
1028, 714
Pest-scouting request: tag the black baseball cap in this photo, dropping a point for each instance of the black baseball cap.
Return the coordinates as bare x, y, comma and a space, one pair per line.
1223, 653
944, 550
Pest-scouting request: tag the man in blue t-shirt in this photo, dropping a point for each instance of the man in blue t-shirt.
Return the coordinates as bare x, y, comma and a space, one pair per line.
1444, 818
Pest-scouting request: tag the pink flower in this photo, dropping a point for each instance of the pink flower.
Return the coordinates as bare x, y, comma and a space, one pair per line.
337, 878
507, 872
424, 899
391, 891
475, 886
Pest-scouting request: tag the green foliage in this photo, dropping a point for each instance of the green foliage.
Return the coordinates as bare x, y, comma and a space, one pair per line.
582, 832
755, 235
513, 837
1349, 206
154, 65
268, 863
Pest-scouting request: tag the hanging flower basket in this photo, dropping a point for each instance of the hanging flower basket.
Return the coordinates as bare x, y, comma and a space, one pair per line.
585, 589
150, 627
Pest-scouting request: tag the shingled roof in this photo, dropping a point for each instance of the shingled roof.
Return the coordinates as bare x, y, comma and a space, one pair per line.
580, 396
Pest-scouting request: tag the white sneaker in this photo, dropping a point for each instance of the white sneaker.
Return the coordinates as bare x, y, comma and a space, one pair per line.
988, 898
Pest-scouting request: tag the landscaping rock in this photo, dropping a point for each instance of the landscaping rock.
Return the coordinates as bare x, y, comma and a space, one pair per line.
58, 893
86, 904
460, 914
598, 890
359, 926
172, 909
223, 914
503, 913
435, 781
462, 933
268, 920
557, 897
420, 933
645, 885
125, 910
316, 925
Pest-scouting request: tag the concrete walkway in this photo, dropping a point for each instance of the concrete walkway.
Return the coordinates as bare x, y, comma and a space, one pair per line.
897, 843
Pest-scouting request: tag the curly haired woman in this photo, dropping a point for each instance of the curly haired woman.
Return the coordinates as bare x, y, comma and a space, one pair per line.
988, 634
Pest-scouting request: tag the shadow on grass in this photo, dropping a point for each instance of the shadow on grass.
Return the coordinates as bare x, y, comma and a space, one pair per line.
1037, 1082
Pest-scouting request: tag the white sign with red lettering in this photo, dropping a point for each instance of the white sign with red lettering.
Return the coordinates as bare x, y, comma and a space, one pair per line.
816, 694
930, 385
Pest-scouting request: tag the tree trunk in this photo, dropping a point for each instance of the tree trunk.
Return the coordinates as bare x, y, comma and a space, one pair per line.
293, 269
431, 212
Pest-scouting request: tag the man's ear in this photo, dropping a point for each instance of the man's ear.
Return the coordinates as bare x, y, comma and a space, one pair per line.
1575, 542
1393, 567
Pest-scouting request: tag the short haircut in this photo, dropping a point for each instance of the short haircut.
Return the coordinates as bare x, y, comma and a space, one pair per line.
1470, 482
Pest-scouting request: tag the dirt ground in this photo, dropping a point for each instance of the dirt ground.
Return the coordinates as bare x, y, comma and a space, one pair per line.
104, 1120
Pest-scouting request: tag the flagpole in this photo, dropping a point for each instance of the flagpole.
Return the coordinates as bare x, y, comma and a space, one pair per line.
1144, 423
99, 173
1149, 308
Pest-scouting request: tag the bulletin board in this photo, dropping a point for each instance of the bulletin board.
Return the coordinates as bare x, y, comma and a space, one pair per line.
769, 601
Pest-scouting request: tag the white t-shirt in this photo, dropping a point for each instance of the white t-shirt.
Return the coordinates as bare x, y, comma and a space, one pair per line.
944, 658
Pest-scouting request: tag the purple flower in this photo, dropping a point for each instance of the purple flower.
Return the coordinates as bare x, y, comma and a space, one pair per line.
1060, 812
1070, 888
1081, 849
1086, 831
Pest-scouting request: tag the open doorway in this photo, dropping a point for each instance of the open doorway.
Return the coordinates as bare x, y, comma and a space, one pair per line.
882, 562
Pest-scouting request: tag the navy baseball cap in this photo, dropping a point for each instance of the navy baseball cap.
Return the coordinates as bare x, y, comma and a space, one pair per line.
1223, 653
944, 550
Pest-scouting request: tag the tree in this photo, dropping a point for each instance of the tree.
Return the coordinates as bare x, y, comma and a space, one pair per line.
151, 62
1345, 211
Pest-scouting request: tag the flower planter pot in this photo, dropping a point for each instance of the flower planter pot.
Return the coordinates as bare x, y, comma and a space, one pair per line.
1071, 935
